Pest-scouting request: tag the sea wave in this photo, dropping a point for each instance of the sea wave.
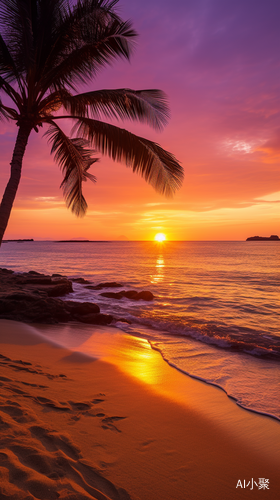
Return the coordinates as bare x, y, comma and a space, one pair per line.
254, 343
169, 318
235, 373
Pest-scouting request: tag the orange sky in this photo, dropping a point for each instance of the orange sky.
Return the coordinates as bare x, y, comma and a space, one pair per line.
221, 75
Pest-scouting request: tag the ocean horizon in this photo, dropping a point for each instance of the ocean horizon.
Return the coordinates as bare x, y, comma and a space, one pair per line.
85, 240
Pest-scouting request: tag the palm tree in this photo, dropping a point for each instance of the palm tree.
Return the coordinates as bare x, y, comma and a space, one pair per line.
48, 48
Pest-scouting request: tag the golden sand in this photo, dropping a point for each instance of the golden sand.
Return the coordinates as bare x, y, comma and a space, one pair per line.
121, 425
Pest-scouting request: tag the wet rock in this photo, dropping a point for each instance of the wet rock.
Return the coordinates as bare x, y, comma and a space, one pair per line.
41, 280
20, 296
60, 289
6, 307
33, 282
110, 284
33, 309
112, 295
97, 319
32, 298
80, 280
130, 294
82, 308
145, 295
6, 271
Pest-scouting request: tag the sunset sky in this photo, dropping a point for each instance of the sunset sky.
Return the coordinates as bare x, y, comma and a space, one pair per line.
218, 62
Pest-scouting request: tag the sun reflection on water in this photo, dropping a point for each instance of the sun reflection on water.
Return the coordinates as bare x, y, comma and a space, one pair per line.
159, 274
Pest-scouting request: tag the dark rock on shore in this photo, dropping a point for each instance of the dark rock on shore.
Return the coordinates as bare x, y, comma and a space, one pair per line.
81, 280
33, 298
112, 295
145, 295
81, 308
130, 294
51, 286
3, 270
97, 319
40, 280
30, 308
60, 288
110, 284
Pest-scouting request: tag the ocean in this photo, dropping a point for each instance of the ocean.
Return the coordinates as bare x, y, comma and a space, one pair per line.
215, 313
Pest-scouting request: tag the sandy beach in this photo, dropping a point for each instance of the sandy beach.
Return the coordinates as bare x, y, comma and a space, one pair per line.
121, 425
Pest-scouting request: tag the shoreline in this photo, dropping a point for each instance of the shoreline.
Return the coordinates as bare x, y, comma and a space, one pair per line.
32, 296
213, 384
122, 419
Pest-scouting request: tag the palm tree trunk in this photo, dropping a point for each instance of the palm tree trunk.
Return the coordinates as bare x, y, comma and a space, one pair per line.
12, 186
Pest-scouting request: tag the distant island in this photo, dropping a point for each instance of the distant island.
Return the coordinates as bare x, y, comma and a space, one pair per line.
18, 241
273, 237
81, 241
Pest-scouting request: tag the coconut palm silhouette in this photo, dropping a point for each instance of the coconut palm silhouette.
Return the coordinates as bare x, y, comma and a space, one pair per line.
48, 48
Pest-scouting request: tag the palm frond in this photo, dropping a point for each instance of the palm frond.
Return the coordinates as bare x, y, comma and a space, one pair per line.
89, 37
29, 28
148, 106
53, 102
7, 113
47, 47
8, 68
3, 113
158, 167
79, 63
51, 44
8, 89
16, 19
74, 160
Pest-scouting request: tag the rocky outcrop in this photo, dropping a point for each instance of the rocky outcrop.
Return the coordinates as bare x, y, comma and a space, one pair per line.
97, 319
28, 307
34, 298
81, 280
50, 286
130, 294
60, 288
145, 295
110, 284
112, 295
82, 308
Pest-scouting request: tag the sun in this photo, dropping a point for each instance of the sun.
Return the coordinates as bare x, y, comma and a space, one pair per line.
160, 237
